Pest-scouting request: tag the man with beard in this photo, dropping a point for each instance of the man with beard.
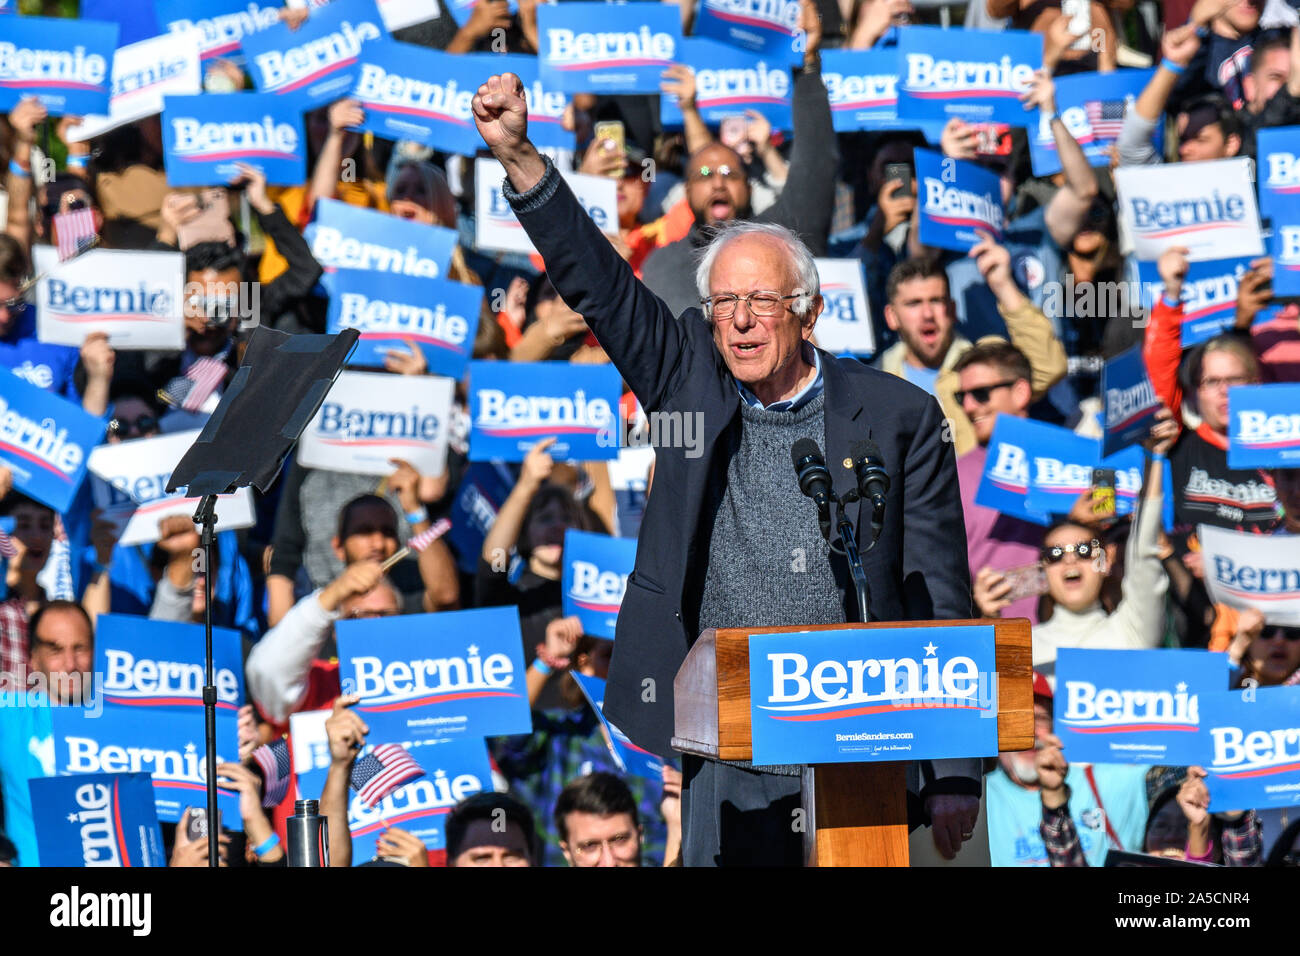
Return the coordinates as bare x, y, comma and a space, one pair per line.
718, 190
1107, 802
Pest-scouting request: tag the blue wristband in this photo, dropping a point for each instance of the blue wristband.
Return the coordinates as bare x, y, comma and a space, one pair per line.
18, 171
415, 517
1172, 67
1172, 303
267, 845
78, 162
541, 668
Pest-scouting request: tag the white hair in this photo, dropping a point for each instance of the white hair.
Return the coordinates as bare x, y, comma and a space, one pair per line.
808, 283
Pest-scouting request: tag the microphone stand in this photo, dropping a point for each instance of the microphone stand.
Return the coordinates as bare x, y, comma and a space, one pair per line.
207, 517
849, 548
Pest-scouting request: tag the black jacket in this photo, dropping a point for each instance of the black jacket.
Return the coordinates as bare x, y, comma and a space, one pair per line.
918, 568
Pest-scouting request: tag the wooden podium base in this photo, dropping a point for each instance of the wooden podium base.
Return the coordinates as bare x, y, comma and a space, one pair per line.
857, 814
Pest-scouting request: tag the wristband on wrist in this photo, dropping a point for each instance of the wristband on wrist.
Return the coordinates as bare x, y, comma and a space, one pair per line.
98, 568
1172, 67
267, 845
77, 162
1171, 303
541, 668
17, 169
415, 517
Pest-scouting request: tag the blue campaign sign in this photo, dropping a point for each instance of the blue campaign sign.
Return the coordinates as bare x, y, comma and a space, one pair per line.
1264, 426
847, 696
1092, 107
1209, 295
482, 492
148, 664
1115, 706
223, 24
728, 82
66, 64
1251, 748
453, 770
204, 136
1004, 486
957, 198
96, 819
1130, 467
769, 28
319, 62
349, 237
974, 75
45, 440
633, 759
427, 676
1284, 246
606, 47
134, 18
546, 103
595, 573
862, 86
1060, 468
1278, 149
411, 92
157, 741
438, 316
1130, 400
515, 405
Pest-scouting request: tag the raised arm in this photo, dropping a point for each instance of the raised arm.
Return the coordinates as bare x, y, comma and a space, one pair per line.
637, 330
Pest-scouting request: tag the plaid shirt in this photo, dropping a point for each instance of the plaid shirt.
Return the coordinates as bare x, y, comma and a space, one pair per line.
1243, 841
564, 746
13, 644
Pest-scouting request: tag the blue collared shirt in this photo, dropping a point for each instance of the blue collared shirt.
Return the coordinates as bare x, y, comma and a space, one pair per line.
798, 401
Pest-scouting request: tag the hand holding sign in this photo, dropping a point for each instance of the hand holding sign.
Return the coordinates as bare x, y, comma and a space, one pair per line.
679, 81
1172, 266
1041, 93
345, 730
959, 139
1163, 434
1254, 292
396, 843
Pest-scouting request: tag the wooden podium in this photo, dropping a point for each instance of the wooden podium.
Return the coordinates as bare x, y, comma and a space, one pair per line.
857, 812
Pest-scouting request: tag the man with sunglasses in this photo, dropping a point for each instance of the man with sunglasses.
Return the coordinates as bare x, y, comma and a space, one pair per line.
718, 190
727, 539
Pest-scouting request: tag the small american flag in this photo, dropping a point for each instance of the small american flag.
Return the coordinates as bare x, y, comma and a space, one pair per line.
382, 771
191, 390
1106, 117
274, 760
418, 542
75, 231
7, 549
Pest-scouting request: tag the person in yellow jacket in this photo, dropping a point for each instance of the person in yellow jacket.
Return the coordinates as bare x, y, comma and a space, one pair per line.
920, 309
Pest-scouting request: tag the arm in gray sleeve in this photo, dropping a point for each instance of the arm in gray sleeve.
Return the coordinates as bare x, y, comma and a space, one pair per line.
171, 603
1136, 141
278, 664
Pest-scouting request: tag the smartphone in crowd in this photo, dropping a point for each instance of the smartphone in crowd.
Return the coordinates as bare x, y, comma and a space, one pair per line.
733, 131
1028, 580
612, 131
212, 224
993, 139
902, 174
1102, 493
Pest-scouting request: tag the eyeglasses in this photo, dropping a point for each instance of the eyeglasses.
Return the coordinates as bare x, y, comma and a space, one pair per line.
1214, 384
1288, 633
760, 304
365, 614
1083, 551
708, 172
124, 427
621, 845
981, 393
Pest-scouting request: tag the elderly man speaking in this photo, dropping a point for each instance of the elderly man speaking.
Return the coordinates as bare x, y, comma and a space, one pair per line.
727, 539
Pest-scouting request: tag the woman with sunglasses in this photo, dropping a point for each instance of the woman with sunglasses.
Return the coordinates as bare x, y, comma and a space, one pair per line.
1074, 559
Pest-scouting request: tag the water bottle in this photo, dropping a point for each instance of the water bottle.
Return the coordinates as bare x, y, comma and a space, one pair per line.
309, 840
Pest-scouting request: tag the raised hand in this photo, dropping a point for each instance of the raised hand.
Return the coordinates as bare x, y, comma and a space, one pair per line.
501, 114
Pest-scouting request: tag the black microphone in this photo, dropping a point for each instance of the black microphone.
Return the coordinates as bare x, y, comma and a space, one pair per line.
814, 478
869, 468
873, 481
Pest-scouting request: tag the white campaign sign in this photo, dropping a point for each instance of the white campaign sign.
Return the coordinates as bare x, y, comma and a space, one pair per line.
131, 477
1209, 207
133, 296
845, 322
143, 73
1253, 570
396, 13
369, 418
495, 224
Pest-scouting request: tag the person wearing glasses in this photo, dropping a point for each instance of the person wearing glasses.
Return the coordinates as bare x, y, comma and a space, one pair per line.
727, 538
718, 190
1076, 563
597, 823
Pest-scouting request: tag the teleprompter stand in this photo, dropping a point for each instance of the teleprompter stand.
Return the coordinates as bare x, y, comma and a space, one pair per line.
276, 390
